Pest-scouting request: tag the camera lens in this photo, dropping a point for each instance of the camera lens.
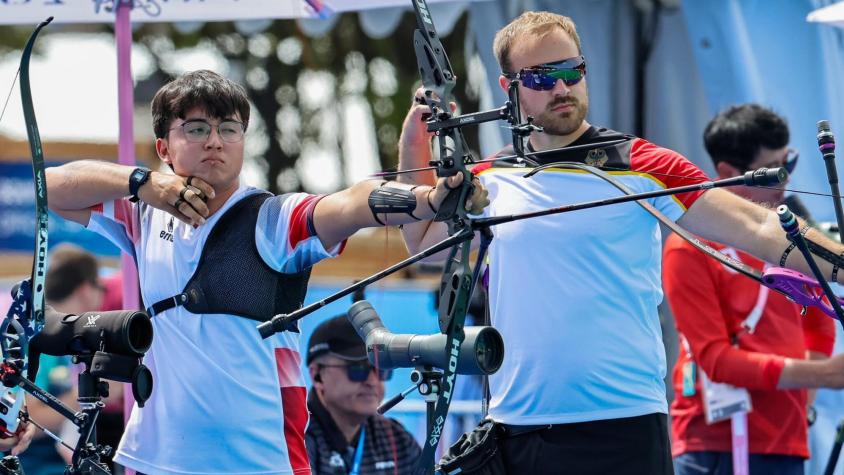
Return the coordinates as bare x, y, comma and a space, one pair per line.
489, 350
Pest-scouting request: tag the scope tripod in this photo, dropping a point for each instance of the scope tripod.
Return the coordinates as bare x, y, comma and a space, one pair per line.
87, 453
428, 382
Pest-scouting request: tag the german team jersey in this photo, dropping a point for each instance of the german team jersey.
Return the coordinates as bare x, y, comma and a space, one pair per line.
224, 400
709, 302
575, 295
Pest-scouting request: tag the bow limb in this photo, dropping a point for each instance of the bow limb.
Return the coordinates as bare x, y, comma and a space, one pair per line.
39, 263
795, 286
26, 315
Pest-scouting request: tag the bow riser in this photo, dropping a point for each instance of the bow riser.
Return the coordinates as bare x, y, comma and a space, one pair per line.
798, 288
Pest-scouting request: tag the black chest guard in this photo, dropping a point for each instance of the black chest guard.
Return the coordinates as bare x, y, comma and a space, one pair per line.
597, 147
232, 278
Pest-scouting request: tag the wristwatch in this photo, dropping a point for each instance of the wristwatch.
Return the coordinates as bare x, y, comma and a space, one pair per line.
138, 177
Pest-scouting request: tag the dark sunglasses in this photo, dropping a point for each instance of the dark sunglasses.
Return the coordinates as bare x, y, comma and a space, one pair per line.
790, 161
545, 76
359, 372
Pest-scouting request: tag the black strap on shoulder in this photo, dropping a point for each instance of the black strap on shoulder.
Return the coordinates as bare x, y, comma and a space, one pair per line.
168, 303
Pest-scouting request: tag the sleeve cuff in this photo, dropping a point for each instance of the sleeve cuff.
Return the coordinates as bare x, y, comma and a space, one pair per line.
771, 372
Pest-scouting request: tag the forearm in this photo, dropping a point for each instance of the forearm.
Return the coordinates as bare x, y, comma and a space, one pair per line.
807, 374
775, 250
721, 216
813, 356
415, 155
82, 184
341, 214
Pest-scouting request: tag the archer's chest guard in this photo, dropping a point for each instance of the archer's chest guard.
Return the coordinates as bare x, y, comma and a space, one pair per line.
232, 278
609, 149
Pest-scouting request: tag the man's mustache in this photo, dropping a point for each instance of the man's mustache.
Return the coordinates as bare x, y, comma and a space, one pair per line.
562, 101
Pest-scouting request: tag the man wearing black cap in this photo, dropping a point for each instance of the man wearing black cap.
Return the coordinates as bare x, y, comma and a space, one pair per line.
345, 435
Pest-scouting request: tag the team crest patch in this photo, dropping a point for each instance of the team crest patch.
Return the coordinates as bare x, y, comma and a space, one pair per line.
596, 157
336, 460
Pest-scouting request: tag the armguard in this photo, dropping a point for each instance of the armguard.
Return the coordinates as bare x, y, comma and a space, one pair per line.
389, 200
837, 260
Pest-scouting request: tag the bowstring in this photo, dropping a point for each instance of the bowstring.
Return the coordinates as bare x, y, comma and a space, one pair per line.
9, 95
667, 175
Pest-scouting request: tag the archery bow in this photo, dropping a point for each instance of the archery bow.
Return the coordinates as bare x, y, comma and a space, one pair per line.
455, 288
438, 81
26, 314
795, 286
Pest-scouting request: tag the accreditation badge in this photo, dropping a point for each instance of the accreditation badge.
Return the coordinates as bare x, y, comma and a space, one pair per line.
721, 401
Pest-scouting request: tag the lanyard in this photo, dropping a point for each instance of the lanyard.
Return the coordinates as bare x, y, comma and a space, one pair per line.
358, 452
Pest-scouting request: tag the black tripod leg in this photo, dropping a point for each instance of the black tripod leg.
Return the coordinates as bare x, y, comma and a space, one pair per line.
836, 449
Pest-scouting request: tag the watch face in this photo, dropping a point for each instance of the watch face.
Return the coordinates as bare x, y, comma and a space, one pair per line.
140, 174
138, 177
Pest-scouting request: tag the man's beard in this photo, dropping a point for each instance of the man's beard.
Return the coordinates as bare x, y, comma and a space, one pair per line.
563, 123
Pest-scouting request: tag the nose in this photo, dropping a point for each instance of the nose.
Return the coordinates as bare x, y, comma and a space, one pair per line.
214, 140
372, 378
561, 88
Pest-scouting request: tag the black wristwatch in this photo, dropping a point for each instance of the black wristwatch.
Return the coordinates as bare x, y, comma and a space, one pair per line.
138, 177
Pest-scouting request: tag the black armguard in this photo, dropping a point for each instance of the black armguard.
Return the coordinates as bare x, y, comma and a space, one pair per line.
837, 260
388, 200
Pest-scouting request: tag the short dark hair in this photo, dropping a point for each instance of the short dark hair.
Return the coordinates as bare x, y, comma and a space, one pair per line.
737, 134
215, 95
69, 267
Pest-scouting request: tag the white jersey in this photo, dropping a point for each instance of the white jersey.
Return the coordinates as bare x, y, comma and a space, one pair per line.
575, 295
224, 400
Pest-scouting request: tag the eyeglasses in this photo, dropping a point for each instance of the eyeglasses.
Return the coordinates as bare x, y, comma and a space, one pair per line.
791, 160
790, 163
545, 76
359, 372
198, 130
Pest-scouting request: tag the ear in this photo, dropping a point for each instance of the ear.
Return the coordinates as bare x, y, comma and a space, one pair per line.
313, 370
504, 83
725, 170
162, 148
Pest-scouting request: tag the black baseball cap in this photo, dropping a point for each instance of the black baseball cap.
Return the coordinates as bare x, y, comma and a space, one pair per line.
338, 337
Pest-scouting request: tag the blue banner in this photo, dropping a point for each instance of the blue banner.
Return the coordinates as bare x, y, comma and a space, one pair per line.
17, 216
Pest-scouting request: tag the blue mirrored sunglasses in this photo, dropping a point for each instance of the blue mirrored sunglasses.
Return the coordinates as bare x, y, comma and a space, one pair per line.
545, 76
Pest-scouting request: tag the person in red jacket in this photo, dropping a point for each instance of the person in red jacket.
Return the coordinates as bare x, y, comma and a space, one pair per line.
733, 331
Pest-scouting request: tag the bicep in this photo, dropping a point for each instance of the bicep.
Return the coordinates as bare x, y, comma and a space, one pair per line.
81, 216
334, 219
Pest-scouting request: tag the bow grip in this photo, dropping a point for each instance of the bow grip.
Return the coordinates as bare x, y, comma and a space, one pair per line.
453, 200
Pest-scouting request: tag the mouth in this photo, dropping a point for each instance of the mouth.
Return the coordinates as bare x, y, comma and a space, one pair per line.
563, 107
212, 161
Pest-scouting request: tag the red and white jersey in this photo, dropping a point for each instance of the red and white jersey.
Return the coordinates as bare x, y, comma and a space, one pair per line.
575, 295
710, 303
224, 400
